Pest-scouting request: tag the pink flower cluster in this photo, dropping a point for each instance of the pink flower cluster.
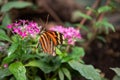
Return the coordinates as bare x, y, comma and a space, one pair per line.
70, 33
25, 28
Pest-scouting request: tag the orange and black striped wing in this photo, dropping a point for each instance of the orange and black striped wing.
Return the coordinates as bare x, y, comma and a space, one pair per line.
56, 37
47, 43
49, 40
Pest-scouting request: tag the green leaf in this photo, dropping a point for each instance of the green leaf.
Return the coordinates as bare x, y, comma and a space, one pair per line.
3, 36
91, 9
15, 4
77, 14
66, 59
4, 72
101, 38
37, 78
116, 70
86, 71
6, 20
105, 24
77, 53
60, 53
10, 58
12, 48
67, 73
54, 79
104, 9
45, 67
15, 38
12, 78
61, 75
18, 70
116, 78
89, 36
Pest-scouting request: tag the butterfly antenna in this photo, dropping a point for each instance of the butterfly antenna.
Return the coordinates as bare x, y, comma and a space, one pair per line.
42, 23
47, 19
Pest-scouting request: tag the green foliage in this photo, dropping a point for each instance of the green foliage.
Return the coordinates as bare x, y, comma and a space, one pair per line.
25, 61
3, 36
43, 65
117, 71
6, 20
18, 70
87, 71
104, 9
76, 54
10, 5
27, 58
14, 4
4, 73
12, 48
104, 24
93, 10
97, 24
9, 58
116, 77
61, 75
66, 73
77, 14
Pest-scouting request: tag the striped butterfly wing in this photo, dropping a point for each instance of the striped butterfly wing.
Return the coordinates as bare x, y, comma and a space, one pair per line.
49, 40
56, 37
45, 42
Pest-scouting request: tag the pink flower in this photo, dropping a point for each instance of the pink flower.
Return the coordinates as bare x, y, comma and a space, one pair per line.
70, 33
9, 26
5, 65
25, 28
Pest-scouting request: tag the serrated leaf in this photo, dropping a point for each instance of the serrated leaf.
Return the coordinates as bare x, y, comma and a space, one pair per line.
15, 4
3, 36
4, 73
104, 9
67, 73
86, 71
12, 48
18, 70
61, 75
6, 20
116, 70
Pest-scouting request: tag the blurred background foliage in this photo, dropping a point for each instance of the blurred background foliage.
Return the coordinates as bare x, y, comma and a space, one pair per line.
98, 21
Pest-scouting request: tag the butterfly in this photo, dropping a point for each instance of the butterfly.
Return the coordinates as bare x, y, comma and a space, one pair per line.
49, 40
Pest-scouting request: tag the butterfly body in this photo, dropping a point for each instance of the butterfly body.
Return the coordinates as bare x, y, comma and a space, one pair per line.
49, 40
